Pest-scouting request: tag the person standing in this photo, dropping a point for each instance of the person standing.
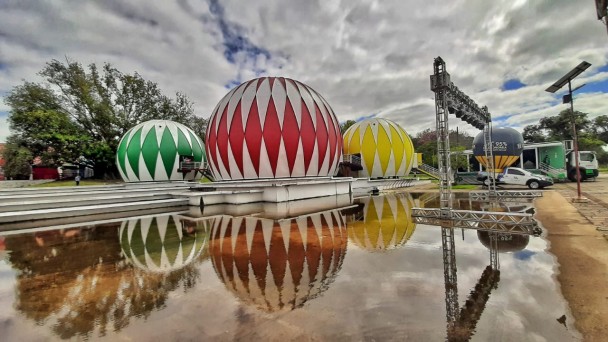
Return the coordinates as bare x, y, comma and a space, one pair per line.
77, 179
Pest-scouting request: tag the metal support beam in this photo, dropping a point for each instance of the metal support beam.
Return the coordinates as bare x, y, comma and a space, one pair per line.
450, 277
505, 194
489, 154
501, 222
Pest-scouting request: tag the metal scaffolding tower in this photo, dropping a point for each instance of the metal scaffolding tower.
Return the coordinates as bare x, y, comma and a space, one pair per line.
450, 99
440, 84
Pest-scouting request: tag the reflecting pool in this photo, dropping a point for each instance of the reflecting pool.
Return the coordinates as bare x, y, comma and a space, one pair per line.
310, 270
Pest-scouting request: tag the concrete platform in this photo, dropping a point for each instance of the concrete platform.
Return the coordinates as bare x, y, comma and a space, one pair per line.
40, 214
270, 190
70, 202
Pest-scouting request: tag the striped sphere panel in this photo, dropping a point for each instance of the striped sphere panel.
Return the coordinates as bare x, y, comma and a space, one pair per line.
277, 265
387, 223
507, 146
150, 151
386, 149
162, 243
273, 127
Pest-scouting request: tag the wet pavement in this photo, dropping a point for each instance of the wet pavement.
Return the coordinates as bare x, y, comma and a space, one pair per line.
363, 272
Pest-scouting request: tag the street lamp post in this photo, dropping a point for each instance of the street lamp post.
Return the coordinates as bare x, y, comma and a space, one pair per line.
552, 89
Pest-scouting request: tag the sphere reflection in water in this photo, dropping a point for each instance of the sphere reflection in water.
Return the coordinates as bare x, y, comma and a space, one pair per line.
278, 264
163, 243
386, 222
506, 242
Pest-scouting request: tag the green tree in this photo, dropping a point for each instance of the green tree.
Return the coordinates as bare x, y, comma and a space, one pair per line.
18, 159
425, 142
108, 103
199, 126
557, 128
346, 125
42, 126
533, 134
600, 127
85, 111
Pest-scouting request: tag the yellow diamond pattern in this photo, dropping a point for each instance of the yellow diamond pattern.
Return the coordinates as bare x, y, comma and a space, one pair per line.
379, 150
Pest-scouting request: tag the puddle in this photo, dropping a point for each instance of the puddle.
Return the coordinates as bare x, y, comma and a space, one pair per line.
358, 272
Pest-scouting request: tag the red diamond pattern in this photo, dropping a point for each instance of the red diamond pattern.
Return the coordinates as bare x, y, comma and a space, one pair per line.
283, 142
222, 140
272, 135
276, 265
290, 125
211, 137
237, 134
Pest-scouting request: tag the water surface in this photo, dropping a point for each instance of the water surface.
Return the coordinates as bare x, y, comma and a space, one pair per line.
363, 272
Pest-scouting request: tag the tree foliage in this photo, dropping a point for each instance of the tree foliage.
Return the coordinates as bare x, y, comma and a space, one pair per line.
592, 134
18, 159
346, 125
85, 111
425, 142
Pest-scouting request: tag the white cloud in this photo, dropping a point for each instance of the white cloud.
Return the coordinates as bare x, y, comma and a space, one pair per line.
363, 57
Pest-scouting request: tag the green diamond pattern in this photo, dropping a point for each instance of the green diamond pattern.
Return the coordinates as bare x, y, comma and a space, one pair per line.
167, 151
137, 243
134, 151
197, 149
183, 147
154, 244
171, 241
149, 150
122, 152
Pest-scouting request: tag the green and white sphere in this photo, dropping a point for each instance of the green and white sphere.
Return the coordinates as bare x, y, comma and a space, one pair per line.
151, 151
163, 243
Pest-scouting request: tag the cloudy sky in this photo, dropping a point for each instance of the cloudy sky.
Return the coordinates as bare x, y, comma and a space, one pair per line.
365, 57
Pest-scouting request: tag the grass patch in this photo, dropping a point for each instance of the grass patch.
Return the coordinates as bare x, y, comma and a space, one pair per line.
465, 186
71, 182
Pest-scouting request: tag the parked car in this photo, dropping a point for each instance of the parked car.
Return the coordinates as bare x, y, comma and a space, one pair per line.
517, 176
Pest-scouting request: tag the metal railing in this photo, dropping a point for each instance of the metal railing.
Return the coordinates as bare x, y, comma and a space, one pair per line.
428, 169
552, 171
189, 166
352, 158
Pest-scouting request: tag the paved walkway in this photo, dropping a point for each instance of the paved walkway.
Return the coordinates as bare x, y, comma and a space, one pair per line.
596, 192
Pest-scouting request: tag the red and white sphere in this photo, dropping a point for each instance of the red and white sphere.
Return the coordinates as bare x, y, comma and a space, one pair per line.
273, 127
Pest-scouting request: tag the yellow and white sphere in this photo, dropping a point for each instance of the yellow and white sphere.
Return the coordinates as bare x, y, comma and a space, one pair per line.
386, 149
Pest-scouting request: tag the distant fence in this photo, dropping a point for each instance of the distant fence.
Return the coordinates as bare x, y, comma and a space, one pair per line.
45, 173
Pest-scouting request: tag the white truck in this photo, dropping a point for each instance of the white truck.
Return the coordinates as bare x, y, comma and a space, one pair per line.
587, 164
517, 176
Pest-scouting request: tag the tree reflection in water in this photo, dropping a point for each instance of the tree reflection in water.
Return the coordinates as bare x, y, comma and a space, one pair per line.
82, 281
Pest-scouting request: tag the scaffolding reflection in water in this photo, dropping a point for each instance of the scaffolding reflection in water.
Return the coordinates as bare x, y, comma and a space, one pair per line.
461, 321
